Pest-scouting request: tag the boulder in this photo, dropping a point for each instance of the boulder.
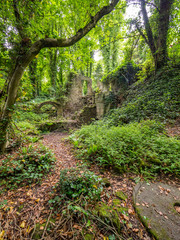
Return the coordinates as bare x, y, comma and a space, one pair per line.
156, 205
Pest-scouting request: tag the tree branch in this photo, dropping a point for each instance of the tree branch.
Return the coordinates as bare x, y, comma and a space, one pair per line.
141, 33
50, 42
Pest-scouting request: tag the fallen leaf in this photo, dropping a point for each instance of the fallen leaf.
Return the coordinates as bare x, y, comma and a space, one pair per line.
76, 226
125, 217
130, 211
177, 208
2, 234
137, 204
22, 224
105, 238
135, 230
129, 225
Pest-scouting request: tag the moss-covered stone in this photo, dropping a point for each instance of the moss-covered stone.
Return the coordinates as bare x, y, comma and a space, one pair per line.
121, 195
117, 206
160, 220
106, 182
122, 210
116, 202
89, 237
109, 215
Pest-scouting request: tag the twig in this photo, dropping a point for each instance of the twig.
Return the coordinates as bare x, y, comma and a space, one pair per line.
110, 228
46, 225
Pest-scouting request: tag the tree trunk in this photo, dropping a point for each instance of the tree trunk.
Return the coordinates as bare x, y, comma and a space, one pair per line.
33, 77
21, 63
159, 48
53, 70
163, 25
8, 108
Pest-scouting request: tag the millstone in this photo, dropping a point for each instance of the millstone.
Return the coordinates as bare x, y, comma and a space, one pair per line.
156, 205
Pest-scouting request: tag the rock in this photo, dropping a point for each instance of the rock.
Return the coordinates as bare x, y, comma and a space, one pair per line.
109, 215
121, 195
155, 204
106, 182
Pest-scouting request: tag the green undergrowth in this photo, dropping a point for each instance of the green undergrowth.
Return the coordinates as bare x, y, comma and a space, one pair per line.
153, 98
76, 197
27, 118
25, 166
137, 147
77, 185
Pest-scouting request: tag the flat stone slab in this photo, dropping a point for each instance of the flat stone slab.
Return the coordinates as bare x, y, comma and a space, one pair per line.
156, 205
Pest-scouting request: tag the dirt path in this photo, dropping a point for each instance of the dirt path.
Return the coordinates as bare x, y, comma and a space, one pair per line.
55, 141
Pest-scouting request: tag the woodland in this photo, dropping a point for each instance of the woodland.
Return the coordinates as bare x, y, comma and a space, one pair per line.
89, 107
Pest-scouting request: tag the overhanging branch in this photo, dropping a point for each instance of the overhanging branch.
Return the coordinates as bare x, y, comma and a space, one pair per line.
50, 42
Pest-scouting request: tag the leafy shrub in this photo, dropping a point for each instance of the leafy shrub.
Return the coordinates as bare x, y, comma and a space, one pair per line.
139, 147
27, 165
78, 182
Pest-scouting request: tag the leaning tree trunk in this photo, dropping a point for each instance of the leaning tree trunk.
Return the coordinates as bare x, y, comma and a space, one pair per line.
8, 108
21, 63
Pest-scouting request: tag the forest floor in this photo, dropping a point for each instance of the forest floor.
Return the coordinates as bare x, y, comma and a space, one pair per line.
28, 208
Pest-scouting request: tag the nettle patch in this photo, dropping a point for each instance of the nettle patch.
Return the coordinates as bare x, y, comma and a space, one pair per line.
27, 165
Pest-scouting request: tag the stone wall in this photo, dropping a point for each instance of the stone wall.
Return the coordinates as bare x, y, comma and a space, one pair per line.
77, 104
